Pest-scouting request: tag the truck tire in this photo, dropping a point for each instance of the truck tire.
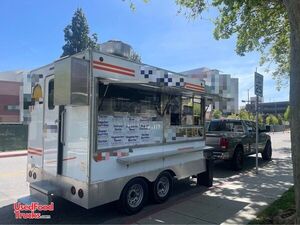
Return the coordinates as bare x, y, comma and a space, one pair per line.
237, 161
267, 153
162, 187
134, 196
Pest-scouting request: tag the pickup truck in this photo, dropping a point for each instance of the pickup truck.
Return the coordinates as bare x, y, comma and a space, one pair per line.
233, 139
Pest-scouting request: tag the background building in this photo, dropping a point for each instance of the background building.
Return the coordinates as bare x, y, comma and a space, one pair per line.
266, 108
15, 96
219, 84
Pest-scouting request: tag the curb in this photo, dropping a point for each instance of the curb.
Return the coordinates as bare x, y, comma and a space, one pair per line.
13, 154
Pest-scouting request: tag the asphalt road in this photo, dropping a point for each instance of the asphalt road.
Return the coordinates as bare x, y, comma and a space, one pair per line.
13, 186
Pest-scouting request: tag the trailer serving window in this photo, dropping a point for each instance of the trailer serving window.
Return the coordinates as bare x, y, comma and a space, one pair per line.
133, 115
128, 116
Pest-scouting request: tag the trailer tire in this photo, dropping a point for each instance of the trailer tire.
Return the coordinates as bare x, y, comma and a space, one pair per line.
134, 196
162, 187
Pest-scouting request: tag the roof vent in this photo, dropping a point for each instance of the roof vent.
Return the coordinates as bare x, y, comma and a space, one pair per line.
117, 48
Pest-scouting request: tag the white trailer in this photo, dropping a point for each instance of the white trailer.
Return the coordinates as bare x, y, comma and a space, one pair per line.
104, 128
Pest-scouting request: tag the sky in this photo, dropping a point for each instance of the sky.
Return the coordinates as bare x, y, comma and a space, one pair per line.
32, 36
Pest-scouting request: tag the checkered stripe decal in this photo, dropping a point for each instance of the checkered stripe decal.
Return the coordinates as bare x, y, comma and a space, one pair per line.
170, 80
106, 155
161, 77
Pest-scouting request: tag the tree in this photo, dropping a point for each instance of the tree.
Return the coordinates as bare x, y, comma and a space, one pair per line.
286, 114
260, 119
217, 114
233, 116
272, 120
135, 57
280, 119
271, 27
245, 115
77, 35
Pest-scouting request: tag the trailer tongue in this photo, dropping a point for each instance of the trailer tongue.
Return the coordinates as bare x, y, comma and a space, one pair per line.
104, 128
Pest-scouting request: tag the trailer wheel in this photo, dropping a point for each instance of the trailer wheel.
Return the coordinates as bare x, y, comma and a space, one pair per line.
134, 196
162, 187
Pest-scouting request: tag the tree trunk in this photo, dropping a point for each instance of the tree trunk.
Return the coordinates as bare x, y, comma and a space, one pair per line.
293, 9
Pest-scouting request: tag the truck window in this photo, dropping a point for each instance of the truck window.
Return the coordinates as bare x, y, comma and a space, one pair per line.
51, 94
251, 125
223, 125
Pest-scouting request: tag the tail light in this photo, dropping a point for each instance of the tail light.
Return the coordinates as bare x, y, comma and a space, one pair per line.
224, 143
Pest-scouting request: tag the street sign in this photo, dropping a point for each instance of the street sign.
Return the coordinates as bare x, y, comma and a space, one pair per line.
259, 84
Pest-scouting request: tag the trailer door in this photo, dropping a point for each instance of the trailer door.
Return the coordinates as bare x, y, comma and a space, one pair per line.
50, 128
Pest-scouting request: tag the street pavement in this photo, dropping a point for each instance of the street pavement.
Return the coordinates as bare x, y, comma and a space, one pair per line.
235, 197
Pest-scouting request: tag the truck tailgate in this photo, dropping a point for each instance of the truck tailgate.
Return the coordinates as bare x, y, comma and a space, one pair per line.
213, 139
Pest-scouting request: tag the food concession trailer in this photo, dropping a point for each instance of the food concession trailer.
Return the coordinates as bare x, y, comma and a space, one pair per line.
104, 128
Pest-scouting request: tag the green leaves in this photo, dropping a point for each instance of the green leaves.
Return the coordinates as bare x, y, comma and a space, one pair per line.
77, 35
192, 8
217, 114
287, 114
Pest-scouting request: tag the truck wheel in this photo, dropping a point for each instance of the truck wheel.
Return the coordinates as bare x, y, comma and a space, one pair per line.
134, 196
238, 159
267, 153
162, 187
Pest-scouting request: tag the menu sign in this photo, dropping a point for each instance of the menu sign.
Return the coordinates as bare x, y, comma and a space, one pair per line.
118, 131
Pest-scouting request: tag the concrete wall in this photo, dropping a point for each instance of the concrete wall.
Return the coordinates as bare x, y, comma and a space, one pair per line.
13, 137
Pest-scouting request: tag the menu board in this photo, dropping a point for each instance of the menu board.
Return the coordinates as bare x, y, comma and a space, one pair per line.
118, 131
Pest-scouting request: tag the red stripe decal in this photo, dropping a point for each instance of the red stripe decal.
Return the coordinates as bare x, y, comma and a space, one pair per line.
113, 66
69, 158
35, 149
54, 161
114, 71
195, 85
34, 153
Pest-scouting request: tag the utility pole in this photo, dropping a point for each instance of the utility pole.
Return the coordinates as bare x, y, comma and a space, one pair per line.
258, 83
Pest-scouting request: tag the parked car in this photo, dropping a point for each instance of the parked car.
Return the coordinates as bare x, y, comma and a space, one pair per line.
234, 139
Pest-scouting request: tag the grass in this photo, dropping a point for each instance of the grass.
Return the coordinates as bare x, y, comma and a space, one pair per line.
286, 201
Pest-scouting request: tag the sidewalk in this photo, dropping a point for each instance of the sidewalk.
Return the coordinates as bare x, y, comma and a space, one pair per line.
13, 153
235, 200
